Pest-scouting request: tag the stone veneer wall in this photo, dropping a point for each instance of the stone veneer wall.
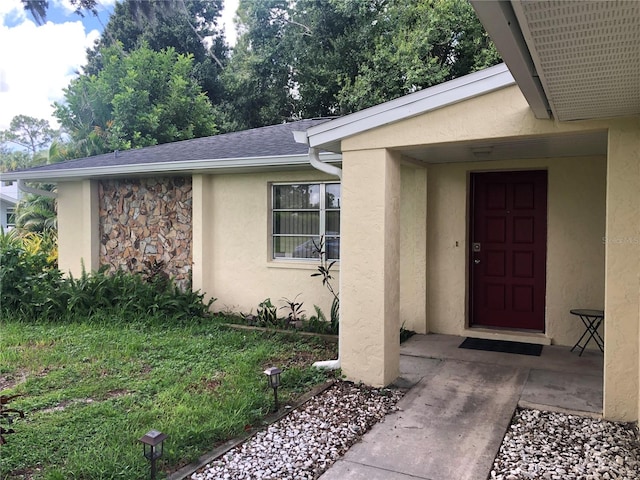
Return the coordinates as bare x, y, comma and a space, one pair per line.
147, 220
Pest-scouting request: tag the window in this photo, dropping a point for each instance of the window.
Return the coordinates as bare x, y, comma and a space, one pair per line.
302, 214
11, 217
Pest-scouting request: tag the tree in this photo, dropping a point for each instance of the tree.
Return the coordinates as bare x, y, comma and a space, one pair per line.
30, 133
189, 26
326, 57
36, 213
38, 8
418, 44
139, 99
257, 82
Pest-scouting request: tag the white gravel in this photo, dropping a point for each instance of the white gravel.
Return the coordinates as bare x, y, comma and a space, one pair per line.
303, 444
546, 445
537, 445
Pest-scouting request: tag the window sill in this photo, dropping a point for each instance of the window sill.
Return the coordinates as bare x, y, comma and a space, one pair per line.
298, 265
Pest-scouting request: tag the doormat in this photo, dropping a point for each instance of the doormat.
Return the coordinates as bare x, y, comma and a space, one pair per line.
502, 346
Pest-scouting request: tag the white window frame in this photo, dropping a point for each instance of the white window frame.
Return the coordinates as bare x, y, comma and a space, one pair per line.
10, 214
322, 218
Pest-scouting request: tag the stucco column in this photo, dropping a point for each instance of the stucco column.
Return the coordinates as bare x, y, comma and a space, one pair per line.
370, 267
413, 248
78, 227
622, 282
202, 234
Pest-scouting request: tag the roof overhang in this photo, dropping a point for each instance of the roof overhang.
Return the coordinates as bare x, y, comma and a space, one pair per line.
580, 59
184, 167
7, 199
329, 136
502, 26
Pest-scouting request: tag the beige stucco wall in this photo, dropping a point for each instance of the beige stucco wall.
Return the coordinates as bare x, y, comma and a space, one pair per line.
500, 114
232, 245
413, 248
575, 249
622, 298
77, 226
370, 254
577, 189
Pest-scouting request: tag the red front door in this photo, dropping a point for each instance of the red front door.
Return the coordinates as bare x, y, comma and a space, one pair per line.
508, 249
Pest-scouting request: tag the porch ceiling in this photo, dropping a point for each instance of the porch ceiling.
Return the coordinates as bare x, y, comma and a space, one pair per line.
565, 145
584, 54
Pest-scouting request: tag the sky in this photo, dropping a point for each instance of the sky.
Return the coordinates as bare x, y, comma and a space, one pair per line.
38, 62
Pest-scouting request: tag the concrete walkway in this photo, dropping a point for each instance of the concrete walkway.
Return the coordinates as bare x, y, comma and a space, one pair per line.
459, 405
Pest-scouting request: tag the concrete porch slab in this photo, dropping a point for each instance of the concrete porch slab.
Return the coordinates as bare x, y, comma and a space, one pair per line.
563, 390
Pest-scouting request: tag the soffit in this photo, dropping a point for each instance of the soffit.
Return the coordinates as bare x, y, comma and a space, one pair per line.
582, 144
586, 54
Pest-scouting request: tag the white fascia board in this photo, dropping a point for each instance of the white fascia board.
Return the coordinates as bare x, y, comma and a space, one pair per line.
502, 25
187, 166
432, 98
8, 199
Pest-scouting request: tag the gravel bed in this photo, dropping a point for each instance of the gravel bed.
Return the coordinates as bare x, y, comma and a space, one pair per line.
546, 445
303, 444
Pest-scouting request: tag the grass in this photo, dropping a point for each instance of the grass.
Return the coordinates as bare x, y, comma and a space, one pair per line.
90, 389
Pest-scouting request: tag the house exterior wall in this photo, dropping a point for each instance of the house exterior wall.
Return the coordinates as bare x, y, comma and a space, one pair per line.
78, 226
505, 114
5, 208
622, 288
575, 248
413, 247
232, 245
147, 223
370, 249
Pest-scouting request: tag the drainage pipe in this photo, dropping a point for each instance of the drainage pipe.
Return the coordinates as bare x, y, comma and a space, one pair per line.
314, 159
35, 191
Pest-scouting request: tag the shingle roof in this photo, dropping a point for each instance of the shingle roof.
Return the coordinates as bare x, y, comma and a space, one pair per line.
264, 142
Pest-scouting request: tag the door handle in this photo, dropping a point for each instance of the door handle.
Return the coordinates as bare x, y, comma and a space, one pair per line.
476, 261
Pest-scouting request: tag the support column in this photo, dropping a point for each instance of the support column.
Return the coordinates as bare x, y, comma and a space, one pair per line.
622, 268
413, 249
202, 233
78, 227
370, 267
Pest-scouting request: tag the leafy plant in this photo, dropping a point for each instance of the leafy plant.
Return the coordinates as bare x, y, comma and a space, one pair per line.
324, 271
318, 323
295, 313
267, 314
405, 334
31, 284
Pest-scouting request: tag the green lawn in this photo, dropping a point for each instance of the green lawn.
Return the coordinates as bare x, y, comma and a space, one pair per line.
91, 389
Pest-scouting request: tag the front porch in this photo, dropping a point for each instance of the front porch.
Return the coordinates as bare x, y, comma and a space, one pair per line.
452, 421
557, 380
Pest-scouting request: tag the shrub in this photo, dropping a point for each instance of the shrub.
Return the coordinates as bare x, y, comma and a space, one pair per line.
31, 284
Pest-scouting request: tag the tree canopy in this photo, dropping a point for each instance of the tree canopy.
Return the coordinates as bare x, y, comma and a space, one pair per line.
332, 57
146, 76
188, 26
137, 99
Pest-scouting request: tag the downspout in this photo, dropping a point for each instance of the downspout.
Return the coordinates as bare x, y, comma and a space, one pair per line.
314, 159
35, 191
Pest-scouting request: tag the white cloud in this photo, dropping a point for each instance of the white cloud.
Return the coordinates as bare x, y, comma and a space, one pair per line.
37, 62
11, 10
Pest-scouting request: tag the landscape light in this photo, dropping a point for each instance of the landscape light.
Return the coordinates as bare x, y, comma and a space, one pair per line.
273, 379
153, 448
